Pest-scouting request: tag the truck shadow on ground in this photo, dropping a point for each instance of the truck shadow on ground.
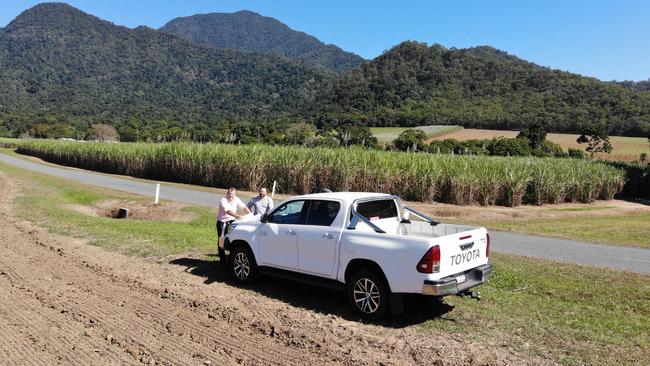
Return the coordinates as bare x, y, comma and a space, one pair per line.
417, 309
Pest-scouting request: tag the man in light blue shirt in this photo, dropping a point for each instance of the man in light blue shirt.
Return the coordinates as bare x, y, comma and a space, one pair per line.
262, 204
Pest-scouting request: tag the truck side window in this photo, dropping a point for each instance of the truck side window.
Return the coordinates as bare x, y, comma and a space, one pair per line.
375, 210
294, 212
322, 213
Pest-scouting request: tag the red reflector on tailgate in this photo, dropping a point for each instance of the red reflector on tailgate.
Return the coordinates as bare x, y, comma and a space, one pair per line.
430, 262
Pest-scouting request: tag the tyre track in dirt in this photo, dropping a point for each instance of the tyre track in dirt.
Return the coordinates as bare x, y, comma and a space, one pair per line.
69, 303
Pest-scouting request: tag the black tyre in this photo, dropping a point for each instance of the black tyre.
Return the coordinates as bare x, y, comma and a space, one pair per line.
368, 294
242, 265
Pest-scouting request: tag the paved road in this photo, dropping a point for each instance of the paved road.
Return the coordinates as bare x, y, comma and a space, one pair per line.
620, 258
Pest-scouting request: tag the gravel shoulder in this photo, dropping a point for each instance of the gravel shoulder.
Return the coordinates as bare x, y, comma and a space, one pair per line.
65, 302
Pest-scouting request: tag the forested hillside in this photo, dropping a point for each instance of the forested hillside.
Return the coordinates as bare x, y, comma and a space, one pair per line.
413, 84
642, 86
64, 68
249, 31
60, 65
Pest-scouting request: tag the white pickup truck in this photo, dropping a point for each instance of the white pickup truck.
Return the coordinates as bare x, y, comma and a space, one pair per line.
369, 244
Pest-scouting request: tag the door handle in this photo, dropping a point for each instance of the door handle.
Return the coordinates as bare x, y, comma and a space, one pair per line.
291, 232
327, 236
263, 233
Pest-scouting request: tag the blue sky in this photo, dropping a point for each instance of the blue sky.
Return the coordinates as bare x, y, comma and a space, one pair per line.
605, 39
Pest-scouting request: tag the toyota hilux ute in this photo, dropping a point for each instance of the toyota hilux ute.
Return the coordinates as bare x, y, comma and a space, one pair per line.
369, 244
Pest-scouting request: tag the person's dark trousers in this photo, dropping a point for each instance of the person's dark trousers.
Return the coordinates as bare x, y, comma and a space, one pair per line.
222, 228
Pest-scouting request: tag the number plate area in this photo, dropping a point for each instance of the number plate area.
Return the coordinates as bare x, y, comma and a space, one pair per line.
460, 278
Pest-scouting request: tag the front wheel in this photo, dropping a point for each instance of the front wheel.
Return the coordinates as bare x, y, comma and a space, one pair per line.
242, 265
368, 294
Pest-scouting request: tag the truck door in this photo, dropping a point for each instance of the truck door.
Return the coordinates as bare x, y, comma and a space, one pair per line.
278, 237
318, 239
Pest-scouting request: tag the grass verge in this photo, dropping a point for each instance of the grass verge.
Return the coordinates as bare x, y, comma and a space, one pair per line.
46, 201
625, 230
566, 313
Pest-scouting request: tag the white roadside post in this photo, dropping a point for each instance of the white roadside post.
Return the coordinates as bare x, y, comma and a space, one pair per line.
273, 191
157, 193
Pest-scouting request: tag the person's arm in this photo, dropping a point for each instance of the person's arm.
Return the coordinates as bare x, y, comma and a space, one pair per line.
241, 205
269, 208
222, 206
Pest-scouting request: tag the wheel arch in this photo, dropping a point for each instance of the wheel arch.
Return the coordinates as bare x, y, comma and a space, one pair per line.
359, 263
241, 243
230, 245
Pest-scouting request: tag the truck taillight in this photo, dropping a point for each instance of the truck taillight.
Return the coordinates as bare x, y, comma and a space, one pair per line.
430, 262
487, 246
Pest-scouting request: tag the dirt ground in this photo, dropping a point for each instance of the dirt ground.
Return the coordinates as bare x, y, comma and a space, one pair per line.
66, 302
170, 211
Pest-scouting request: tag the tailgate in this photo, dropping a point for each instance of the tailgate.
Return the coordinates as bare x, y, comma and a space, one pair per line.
463, 251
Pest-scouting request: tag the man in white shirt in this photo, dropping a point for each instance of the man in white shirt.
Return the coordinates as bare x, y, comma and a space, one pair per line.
228, 207
262, 204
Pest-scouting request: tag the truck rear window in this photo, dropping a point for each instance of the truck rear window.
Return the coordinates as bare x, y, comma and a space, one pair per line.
375, 210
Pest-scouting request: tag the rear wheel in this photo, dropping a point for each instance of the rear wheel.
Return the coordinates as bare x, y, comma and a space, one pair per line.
242, 264
368, 294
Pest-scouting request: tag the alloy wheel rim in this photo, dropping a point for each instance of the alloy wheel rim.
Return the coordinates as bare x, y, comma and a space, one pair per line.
241, 266
366, 296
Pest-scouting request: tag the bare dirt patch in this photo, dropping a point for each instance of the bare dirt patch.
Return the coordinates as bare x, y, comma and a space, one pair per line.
65, 302
167, 211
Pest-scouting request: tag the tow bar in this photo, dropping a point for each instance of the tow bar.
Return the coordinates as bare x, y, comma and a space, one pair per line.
472, 294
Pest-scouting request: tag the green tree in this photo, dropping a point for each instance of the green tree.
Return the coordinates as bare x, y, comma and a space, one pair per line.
356, 135
596, 137
576, 153
508, 147
446, 146
298, 133
535, 134
62, 131
102, 132
40, 130
411, 140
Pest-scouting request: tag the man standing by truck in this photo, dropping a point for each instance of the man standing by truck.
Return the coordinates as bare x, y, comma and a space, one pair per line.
228, 207
262, 204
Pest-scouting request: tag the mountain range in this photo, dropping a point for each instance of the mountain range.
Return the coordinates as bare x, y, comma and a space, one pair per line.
59, 65
413, 84
249, 31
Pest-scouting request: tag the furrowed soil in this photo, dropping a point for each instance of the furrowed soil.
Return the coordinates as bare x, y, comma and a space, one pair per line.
66, 302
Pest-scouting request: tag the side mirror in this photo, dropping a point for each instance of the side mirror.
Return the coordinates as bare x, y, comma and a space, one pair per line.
264, 219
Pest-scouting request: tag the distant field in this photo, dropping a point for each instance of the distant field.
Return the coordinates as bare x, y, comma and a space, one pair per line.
386, 135
625, 148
